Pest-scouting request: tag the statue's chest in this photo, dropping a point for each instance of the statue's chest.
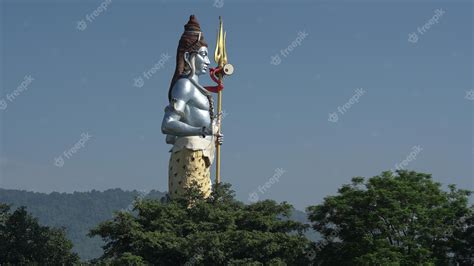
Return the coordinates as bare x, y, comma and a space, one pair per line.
199, 101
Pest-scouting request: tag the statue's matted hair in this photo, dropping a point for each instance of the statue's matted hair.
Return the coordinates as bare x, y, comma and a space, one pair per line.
191, 40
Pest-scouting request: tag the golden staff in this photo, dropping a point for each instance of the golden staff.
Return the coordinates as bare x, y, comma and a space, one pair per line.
220, 57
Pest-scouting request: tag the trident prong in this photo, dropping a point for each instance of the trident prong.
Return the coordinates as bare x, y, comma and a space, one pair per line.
220, 54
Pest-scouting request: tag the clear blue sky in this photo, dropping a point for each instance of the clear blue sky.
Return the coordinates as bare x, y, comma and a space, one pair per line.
277, 115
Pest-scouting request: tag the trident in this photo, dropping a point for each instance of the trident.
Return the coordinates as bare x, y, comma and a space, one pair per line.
217, 75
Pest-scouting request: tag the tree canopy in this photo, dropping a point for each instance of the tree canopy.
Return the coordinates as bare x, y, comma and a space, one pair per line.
23, 241
77, 212
218, 230
404, 219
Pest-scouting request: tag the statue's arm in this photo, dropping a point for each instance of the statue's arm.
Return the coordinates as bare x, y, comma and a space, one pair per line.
171, 125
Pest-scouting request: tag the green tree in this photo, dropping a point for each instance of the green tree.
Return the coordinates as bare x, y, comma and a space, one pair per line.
215, 231
462, 239
23, 241
404, 219
78, 212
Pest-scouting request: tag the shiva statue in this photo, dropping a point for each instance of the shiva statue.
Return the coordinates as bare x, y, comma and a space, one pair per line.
189, 122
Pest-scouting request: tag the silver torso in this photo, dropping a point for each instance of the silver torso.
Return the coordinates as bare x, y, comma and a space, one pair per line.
188, 111
197, 108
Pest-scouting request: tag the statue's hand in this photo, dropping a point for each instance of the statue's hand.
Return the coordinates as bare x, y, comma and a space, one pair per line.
207, 131
219, 138
212, 130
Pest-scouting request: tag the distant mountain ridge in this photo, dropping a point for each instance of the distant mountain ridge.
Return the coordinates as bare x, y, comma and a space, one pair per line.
78, 212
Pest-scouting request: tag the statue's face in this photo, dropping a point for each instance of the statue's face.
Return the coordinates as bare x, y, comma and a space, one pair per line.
201, 61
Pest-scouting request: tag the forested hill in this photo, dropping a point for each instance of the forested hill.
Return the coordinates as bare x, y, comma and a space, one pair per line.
77, 212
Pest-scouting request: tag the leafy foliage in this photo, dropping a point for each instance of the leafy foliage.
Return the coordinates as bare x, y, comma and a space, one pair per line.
403, 219
24, 241
214, 231
77, 212
390, 219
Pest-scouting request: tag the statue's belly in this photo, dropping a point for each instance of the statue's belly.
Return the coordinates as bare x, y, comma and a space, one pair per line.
197, 117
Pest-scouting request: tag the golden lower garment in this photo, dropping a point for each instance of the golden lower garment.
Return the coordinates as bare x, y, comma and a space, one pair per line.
185, 167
